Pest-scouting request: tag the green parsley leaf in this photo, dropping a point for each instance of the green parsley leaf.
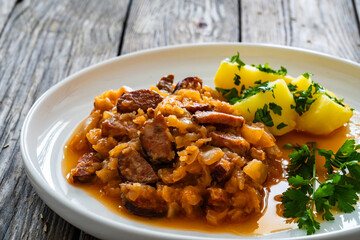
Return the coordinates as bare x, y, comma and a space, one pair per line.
236, 59
275, 108
307, 75
237, 80
266, 68
263, 87
303, 100
258, 82
263, 115
281, 125
338, 190
292, 87
231, 95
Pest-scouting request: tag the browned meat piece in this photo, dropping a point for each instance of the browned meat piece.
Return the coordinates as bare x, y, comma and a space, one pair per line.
222, 170
236, 144
85, 170
197, 107
116, 127
189, 83
155, 140
134, 168
218, 118
166, 83
257, 154
147, 202
143, 98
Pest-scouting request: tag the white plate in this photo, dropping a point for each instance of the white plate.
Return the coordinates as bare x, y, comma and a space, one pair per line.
55, 114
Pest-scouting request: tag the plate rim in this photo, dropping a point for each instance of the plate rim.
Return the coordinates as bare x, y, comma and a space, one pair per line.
40, 185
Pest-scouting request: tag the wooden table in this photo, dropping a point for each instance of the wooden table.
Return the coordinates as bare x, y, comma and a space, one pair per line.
44, 41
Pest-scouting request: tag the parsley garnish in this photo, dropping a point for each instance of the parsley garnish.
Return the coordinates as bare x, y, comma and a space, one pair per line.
338, 101
263, 115
256, 89
306, 192
237, 80
258, 82
292, 87
304, 99
266, 68
236, 59
232, 95
275, 108
281, 125
307, 75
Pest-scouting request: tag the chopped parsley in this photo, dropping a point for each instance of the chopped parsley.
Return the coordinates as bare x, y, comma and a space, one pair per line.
237, 80
263, 115
307, 75
264, 87
292, 87
281, 125
232, 95
266, 68
275, 108
307, 194
338, 101
258, 82
304, 99
236, 59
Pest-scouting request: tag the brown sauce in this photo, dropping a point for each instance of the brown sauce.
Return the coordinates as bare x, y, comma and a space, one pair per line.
269, 221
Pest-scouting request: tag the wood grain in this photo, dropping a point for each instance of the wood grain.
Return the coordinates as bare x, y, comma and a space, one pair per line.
325, 26
43, 42
6, 7
160, 23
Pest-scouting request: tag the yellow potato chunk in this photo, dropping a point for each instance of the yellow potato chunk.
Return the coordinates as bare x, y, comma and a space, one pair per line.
324, 116
283, 98
257, 171
224, 77
302, 83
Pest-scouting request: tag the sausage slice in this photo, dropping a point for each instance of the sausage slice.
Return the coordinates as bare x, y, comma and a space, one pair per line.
218, 118
139, 99
134, 168
155, 140
189, 83
166, 83
236, 144
85, 170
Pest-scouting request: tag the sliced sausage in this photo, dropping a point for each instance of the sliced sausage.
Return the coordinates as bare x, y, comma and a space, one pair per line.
194, 107
115, 127
235, 143
222, 170
218, 118
189, 83
139, 99
134, 168
155, 140
85, 170
146, 204
166, 83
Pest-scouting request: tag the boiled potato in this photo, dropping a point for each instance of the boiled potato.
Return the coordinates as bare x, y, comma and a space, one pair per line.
302, 83
224, 77
280, 96
324, 116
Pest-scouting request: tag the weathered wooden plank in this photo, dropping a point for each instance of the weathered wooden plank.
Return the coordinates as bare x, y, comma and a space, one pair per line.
264, 22
325, 26
356, 4
159, 23
43, 42
6, 7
